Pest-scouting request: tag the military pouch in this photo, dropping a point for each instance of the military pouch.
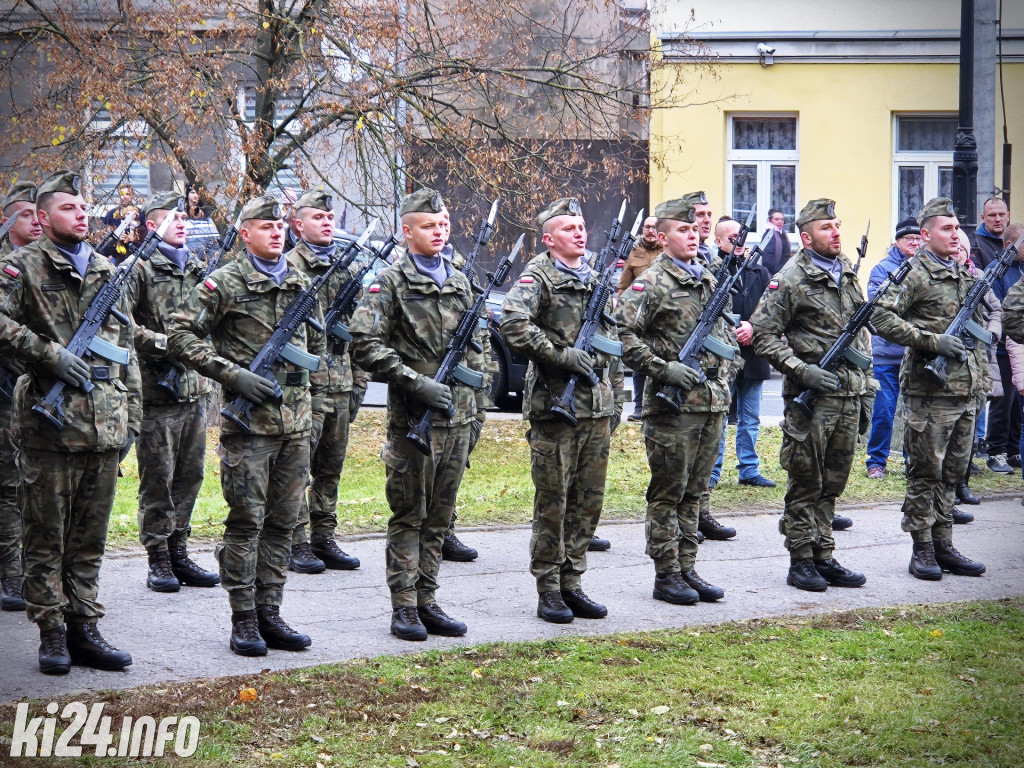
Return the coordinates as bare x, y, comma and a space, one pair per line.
720, 348
296, 356
857, 359
606, 345
292, 378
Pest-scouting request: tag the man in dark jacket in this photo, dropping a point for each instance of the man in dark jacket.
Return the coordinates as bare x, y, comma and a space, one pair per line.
995, 215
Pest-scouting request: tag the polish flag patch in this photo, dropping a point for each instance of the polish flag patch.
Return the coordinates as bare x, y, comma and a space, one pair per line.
639, 286
773, 285
526, 279
375, 288
12, 270
210, 284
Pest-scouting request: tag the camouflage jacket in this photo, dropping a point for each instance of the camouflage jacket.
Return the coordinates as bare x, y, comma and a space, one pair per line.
1013, 312
6, 247
42, 300
339, 361
401, 330
542, 315
656, 316
154, 290
916, 313
804, 305
237, 307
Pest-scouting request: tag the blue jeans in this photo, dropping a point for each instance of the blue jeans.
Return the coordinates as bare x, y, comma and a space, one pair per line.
883, 415
747, 393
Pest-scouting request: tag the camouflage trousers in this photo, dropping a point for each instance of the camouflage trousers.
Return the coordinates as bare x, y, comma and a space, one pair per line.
421, 491
938, 437
263, 478
10, 512
817, 452
319, 510
681, 452
569, 466
172, 455
66, 499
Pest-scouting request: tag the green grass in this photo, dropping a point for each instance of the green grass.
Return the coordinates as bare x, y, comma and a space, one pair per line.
907, 687
497, 488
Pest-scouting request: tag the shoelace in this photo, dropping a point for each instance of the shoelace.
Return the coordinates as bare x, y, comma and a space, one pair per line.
53, 644
93, 635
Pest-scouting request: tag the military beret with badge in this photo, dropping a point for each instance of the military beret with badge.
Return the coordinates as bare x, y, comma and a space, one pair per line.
938, 206
163, 201
820, 209
564, 206
424, 200
317, 198
679, 209
263, 207
696, 198
67, 182
19, 192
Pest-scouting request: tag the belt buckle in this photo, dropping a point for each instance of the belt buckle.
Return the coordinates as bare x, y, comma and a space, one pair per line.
101, 373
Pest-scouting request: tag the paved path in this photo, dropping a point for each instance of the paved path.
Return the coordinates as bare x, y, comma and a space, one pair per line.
185, 635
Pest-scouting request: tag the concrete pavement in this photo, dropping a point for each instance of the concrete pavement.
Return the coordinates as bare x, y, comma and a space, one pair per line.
185, 635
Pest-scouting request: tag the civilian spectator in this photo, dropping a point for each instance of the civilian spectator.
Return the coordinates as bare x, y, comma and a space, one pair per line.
195, 208
779, 250
113, 218
995, 215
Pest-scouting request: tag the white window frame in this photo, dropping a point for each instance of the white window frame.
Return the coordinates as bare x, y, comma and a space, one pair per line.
132, 131
764, 159
932, 161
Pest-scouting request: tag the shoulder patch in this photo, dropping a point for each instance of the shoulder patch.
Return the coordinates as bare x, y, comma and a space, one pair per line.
773, 285
12, 270
210, 284
374, 288
526, 279
639, 286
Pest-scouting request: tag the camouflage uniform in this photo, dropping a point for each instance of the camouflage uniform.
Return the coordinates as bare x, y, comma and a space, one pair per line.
399, 332
542, 315
172, 446
939, 421
10, 513
263, 472
804, 305
320, 510
656, 317
1013, 312
68, 477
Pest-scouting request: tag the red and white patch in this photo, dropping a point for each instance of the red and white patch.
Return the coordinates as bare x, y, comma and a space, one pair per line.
639, 286
773, 285
210, 284
526, 279
12, 270
375, 288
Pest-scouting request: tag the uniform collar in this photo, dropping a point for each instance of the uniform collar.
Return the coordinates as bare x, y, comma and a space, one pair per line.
161, 262
308, 258
97, 264
681, 275
814, 272
256, 280
558, 277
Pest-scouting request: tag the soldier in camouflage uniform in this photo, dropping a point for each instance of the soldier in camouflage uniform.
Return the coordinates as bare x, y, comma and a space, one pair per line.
172, 446
19, 201
541, 318
68, 476
800, 316
400, 331
1013, 304
939, 419
263, 470
656, 315
313, 222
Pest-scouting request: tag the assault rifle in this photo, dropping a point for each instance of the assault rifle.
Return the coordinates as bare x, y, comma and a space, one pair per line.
482, 236
842, 348
451, 368
279, 346
588, 340
862, 249
342, 304
738, 245
110, 239
963, 325
701, 338
85, 343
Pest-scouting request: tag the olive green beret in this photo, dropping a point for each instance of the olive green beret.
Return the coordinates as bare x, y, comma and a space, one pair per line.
163, 201
424, 200
20, 192
61, 181
564, 206
939, 206
262, 207
817, 210
318, 198
694, 198
679, 210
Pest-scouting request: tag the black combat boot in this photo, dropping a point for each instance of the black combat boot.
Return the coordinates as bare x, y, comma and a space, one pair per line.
950, 560
276, 632
245, 634
334, 557
597, 544
922, 562
841, 523
406, 624
838, 576
803, 575
304, 561
712, 529
87, 648
552, 608
437, 622
187, 572
10, 594
160, 577
53, 652
454, 550
582, 607
708, 592
964, 495
672, 588
960, 517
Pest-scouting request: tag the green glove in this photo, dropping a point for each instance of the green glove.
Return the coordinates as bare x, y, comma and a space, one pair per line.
867, 406
577, 361
616, 417
950, 346
476, 427
71, 369
818, 379
252, 387
355, 401
432, 394
680, 375
127, 446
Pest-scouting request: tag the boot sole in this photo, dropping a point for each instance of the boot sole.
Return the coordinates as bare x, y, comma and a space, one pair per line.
199, 584
165, 588
556, 619
924, 576
413, 636
444, 632
718, 536
458, 558
12, 605
306, 568
807, 587
961, 571
256, 650
588, 614
599, 547
111, 666
841, 527
845, 584
55, 668
281, 646
675, 600
338, 566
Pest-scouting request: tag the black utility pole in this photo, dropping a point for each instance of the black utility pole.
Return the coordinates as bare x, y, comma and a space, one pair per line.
965, 148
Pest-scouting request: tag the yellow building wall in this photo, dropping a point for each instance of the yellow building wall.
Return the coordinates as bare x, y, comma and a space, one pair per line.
845, 134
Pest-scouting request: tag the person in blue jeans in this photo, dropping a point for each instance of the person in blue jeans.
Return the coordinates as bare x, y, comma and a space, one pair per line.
886, 355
